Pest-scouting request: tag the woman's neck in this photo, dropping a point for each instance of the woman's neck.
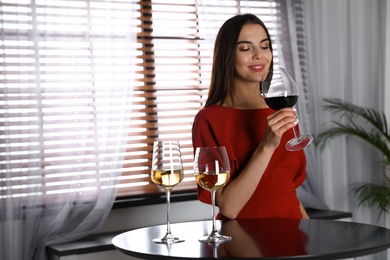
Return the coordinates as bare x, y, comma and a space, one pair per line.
245, 97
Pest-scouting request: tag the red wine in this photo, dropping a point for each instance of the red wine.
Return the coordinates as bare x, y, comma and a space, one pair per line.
281, 102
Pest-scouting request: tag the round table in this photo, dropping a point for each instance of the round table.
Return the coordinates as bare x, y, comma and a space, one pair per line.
259, 238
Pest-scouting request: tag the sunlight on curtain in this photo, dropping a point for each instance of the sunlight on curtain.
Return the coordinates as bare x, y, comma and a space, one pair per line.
66, 81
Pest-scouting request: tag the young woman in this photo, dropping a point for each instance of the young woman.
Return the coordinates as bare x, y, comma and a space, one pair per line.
264, 175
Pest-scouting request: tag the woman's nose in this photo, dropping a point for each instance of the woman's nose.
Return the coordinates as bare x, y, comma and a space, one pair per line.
257, 54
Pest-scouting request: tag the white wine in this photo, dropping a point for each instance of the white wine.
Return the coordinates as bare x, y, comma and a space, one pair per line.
166, 178
212, 181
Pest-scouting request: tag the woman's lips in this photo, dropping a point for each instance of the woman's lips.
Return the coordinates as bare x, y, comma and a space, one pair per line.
257, 68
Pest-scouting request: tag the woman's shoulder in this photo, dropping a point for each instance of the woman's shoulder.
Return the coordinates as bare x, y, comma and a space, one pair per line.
209, 111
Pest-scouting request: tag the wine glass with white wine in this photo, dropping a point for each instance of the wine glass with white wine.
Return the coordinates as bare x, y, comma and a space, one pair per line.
212, 171
167, 171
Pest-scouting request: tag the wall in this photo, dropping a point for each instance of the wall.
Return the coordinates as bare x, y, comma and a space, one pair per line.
136, 217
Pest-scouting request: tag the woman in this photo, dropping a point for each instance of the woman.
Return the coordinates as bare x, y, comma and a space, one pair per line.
264, 175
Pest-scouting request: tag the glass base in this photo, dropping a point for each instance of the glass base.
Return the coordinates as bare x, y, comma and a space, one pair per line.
168, 239
215, 237
299, 142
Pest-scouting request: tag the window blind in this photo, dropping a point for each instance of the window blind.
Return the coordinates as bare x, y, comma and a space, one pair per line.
64, 70
168, 96
53, 51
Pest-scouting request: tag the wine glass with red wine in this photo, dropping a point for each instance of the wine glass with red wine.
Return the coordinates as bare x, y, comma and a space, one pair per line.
280, 90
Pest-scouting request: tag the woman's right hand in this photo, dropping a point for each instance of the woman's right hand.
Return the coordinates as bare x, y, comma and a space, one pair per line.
278, 123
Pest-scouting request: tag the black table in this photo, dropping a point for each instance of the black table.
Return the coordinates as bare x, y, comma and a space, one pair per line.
259, 238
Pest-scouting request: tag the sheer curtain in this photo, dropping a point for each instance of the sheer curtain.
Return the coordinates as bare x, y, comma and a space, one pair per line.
344, 58
311, 192
66, 80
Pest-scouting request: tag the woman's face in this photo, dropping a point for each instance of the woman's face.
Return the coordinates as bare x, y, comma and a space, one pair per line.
253, 55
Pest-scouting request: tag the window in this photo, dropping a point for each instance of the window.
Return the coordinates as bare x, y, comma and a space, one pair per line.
64, 63
169, 93
64, 68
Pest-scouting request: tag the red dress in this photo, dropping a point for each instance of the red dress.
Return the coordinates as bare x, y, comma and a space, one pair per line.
241, 131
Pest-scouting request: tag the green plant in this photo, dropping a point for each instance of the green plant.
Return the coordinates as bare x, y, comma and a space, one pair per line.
371, 126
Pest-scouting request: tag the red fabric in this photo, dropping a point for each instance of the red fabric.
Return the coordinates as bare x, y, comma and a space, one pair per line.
241, 131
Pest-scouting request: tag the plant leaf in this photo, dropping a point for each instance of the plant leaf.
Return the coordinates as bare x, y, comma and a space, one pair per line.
368, 194
374, 195
378, 136
376, 118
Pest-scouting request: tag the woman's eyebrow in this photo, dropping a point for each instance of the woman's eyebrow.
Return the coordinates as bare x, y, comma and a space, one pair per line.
249, 42
244, 42
264, 40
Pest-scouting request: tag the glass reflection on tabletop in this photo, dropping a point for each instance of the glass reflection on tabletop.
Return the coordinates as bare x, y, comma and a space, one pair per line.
264, 238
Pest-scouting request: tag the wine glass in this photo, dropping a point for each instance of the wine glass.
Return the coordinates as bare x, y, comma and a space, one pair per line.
212, 171
167, 171
280, 90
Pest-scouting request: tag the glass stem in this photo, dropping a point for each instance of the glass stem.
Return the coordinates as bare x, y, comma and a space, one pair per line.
168, 193
213, 211
295, 132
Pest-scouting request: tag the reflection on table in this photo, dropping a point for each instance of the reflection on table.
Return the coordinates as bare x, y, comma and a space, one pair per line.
263, 238
260, 238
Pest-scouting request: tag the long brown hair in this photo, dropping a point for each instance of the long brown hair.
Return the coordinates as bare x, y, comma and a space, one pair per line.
222, 74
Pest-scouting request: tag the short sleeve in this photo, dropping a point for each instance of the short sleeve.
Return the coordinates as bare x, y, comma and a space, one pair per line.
202, 135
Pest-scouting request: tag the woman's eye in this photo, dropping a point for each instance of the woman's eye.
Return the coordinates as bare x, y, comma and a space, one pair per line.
245, 49
265, 47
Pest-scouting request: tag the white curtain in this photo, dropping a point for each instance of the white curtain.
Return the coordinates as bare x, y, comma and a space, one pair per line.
311, 193
344, 58
59, 170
